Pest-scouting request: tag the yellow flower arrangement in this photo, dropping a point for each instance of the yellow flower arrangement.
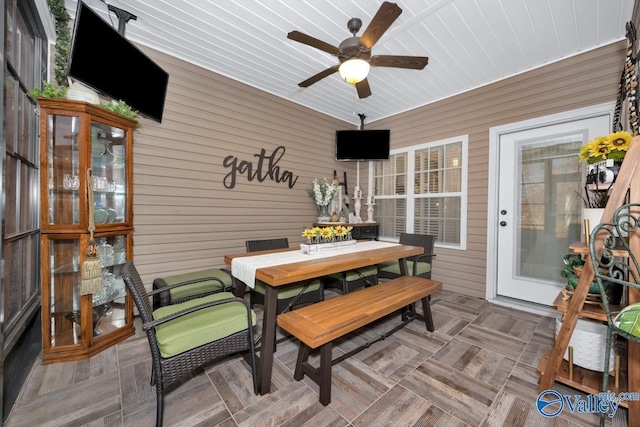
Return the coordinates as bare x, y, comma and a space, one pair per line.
613, 146
329, 234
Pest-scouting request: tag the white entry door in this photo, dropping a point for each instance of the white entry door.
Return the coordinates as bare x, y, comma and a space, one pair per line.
539, 205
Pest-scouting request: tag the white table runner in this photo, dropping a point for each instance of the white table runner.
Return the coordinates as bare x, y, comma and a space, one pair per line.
244, 268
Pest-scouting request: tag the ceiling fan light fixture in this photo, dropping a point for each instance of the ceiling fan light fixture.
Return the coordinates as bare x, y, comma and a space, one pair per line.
354, 70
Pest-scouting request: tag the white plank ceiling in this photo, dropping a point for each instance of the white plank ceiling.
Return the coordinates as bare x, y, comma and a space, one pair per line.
470, 43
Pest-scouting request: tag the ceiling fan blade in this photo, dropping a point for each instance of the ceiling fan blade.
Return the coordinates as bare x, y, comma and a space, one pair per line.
384, 17
396, 61
313, 42
363, 88
321, 75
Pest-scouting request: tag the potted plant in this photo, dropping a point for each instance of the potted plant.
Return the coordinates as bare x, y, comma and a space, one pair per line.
322, 193
604, 156
123, 109
48, 91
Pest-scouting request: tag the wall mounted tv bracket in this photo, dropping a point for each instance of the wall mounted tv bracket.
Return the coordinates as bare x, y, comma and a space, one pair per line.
362, 117
123, 17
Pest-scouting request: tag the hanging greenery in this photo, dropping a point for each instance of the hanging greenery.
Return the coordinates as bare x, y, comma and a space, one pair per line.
63, 40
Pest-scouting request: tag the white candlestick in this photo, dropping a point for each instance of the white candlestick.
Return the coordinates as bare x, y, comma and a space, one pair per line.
370, 212
357, 208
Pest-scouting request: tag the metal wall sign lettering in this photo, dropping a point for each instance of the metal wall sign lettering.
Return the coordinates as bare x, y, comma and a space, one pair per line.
265, 167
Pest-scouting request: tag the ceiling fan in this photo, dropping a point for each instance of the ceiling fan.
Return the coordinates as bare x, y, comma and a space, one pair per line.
356, 51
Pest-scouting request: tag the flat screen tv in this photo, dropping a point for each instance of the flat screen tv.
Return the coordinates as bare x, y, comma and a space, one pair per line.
352, 145
104, 60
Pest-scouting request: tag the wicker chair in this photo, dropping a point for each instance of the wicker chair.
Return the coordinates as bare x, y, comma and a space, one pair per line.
195, 284
185, 337
611, 271
420, 265
300, 293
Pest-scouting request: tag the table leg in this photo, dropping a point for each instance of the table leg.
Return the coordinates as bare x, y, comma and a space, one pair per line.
403, 266
265, 364
407, 311
239, 288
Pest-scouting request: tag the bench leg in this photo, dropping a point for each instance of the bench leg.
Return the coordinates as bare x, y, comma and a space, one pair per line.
303, 356
320, 375
428, 318
325, 374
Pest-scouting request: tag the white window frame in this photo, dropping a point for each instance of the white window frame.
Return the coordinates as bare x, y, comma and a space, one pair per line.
411, 196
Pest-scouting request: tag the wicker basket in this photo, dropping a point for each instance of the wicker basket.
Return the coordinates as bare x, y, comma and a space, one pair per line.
588, 341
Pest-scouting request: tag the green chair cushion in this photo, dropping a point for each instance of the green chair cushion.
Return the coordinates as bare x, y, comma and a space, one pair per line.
394, 267
628, 319
288, 291
353, 275
199, 287
195, 329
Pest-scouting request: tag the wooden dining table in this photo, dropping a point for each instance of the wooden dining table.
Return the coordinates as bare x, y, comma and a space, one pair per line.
278, 275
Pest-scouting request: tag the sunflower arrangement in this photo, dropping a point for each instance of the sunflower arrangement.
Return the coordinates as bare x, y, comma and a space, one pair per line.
613, 146
315, 235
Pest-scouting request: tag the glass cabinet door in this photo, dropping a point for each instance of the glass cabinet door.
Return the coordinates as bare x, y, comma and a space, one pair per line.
108, 162
63, 170
64, 305
109, 304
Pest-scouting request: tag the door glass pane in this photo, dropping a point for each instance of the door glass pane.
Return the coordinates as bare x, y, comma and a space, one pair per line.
10, 220
26, 129
30, 268
13, 280
28, 198
549, 202
10, 112
26, 46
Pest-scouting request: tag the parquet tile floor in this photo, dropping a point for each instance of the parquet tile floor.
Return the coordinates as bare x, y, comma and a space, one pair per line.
477, 369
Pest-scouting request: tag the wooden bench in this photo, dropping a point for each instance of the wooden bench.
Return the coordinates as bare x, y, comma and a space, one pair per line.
318, 325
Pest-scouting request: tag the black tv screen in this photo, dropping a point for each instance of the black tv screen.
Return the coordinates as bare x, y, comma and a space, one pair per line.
352, 145
104, 60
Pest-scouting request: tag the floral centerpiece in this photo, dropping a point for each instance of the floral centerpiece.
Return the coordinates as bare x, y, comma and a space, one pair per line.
326, 238
322, 193
603, 154
316, 235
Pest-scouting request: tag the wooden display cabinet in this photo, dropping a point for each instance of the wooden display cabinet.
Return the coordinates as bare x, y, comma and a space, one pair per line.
76, 136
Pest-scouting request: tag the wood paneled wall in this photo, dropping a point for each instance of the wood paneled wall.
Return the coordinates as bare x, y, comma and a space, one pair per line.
186, 219
588, 79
